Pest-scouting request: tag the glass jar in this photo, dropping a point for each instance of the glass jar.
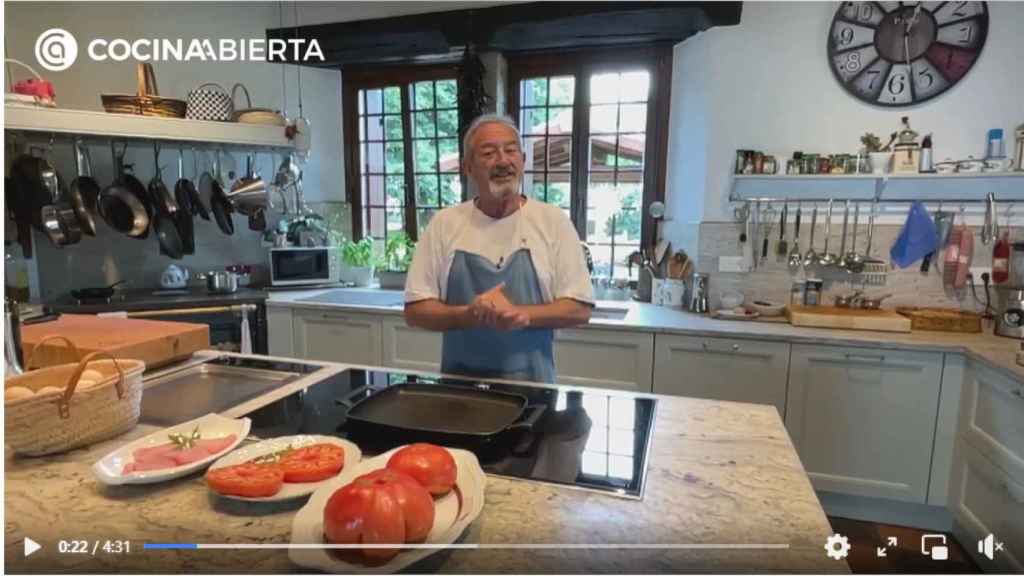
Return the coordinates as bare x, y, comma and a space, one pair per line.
796, 293
812, 292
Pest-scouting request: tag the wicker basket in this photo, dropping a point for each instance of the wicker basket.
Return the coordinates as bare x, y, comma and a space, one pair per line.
52, 423
250, 115
147, 100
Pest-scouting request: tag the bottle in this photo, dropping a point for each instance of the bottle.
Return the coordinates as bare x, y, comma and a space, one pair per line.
1001, 260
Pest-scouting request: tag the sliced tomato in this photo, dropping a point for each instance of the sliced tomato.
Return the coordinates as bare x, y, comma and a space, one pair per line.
313, 463
247, 480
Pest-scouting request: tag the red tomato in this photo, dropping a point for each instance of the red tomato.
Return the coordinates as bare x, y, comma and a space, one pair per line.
431, 465
313, 463
382, 507
247, 480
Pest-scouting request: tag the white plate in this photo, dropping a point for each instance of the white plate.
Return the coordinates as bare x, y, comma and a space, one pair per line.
290, 489
108, 469
725, 314
450, 520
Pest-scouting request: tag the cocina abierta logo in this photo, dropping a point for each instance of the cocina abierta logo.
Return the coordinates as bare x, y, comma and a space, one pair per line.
56, 49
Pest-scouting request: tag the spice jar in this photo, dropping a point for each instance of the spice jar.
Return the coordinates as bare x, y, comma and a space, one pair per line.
812, 292
796, 293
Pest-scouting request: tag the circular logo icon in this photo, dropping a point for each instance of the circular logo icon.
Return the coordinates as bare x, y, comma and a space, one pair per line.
56, 49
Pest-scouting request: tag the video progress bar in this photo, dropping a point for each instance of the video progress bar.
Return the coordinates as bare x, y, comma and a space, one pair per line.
174, 546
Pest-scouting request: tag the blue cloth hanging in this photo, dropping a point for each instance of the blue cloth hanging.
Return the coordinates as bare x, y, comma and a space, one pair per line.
917, 238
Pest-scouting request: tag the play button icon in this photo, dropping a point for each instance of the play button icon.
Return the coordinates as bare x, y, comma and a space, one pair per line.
31, 546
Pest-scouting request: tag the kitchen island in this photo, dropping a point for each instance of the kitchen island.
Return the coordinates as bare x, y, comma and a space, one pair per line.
721, 475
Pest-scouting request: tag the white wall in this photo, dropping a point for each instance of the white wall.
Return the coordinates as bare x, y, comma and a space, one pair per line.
765, 84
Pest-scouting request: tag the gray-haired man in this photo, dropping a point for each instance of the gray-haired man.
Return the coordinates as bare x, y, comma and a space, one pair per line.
497, 274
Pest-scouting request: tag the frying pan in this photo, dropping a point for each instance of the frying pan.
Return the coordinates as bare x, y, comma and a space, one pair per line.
221, 208
96, 293
183, 220
84, 191
469, 418
196, 203
164, 225
120, 204
161, 196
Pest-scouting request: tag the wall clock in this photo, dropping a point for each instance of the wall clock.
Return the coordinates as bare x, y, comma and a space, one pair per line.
904, 53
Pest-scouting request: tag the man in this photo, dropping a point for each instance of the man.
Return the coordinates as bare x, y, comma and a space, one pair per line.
497, 274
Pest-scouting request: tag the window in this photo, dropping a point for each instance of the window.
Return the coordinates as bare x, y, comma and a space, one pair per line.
403, 161
594, 140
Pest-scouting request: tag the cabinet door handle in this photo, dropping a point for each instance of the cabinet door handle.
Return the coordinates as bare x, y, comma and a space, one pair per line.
733, 348
879, 358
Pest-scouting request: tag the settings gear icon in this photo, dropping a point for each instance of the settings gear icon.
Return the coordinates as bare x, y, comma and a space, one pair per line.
837, 546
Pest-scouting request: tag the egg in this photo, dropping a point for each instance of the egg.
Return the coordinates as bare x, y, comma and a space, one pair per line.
92, 375
85, 384
50, 390
17, 393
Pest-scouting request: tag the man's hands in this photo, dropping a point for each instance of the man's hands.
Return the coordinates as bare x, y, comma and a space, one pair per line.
494, 310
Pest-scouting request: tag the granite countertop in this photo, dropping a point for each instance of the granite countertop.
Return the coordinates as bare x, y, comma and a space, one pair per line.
994, 351
719, 473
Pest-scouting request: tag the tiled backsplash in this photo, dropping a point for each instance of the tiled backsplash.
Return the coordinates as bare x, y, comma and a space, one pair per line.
773, 280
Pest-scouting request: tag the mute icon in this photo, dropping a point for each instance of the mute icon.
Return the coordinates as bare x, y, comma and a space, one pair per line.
987, 546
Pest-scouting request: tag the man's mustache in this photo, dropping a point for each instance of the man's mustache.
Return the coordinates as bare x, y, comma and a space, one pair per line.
502, 171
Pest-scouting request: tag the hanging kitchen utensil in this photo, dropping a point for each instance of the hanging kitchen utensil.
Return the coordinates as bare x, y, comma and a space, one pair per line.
990, 230
942, 226
183, 217
221, 209
841, 260
258, 220
161, 196
121, 204
782, 248
811, 258
147, 100
195, 202
855, 260
827, 258
25, 198
84, 190
301, 130
795, 258
60, 223
964, 257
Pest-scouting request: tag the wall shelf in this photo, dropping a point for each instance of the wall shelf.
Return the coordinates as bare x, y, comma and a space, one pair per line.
1007, 187
90, 123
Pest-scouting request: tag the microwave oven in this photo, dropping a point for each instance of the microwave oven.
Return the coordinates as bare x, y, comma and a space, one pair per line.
304, 266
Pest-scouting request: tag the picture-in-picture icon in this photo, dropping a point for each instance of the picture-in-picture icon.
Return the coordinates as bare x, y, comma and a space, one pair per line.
934, 545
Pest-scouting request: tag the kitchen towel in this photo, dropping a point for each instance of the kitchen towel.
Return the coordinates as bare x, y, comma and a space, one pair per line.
246, 347
917, 238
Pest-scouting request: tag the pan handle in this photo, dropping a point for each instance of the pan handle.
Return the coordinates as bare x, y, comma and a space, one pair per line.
528, 422
347, 400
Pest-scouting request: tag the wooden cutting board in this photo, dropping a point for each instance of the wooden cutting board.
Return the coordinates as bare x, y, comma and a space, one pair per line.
848, 318
156, 343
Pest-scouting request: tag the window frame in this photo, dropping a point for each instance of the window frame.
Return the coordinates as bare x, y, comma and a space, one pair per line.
657, 60
353, 80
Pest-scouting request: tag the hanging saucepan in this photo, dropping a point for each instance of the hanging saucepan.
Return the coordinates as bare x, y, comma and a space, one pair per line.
162, 196
58, 219
219, 204
84, 190
198, 208
163, 212
121, 203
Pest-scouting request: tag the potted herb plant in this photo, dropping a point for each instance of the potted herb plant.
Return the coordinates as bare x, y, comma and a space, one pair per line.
398, 252
880, 157
358, 262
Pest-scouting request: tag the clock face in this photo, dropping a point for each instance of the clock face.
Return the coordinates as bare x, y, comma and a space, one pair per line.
904, 53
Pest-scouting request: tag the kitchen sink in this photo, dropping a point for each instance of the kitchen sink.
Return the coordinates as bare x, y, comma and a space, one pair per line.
608, 313
380, 298
215, 384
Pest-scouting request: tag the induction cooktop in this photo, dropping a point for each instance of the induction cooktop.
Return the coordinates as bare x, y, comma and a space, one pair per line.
588, 439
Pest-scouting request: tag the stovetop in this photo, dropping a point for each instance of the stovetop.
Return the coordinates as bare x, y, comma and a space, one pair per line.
587, 439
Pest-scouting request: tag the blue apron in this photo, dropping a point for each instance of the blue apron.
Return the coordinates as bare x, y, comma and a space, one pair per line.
525, 354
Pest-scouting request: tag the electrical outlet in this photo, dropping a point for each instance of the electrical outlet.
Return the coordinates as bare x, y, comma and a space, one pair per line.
977, 271
731, 264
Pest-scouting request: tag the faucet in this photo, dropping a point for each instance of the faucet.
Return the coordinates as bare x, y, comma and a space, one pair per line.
12, 337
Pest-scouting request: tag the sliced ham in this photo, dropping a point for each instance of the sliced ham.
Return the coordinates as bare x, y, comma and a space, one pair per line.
169, 456
215, 445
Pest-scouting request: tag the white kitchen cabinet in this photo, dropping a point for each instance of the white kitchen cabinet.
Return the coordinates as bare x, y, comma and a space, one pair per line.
863, 420
722, 369
280, 332
330, 336
604, 358
992, 417
410, 348
986, 500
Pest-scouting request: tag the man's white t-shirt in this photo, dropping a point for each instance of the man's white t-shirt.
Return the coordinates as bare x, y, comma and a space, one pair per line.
541, 228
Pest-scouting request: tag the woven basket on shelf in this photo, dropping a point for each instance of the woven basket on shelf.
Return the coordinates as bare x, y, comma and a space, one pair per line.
57, 422
147, 100
250, 115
